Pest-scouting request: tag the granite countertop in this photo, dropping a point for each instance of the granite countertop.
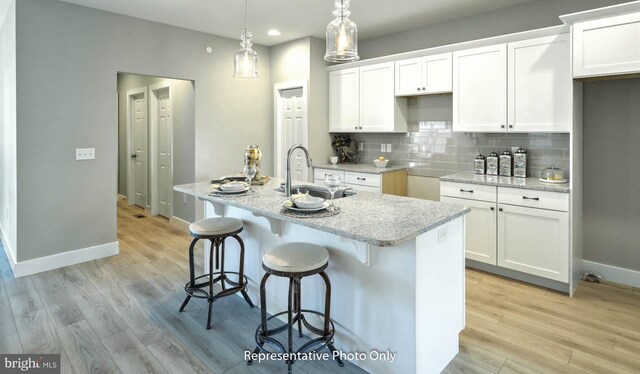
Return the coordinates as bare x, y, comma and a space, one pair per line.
363, 168
513, 182
372, 218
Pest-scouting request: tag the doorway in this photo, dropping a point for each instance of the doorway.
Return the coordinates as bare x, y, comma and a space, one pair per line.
156, 119
291, 127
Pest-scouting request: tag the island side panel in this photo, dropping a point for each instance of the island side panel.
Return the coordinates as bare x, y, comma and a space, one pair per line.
440, 295
373, 306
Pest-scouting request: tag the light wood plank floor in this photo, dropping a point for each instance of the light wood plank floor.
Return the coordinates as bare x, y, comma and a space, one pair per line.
119, 314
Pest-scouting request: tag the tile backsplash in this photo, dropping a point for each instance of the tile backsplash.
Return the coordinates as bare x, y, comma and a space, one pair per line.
430, 147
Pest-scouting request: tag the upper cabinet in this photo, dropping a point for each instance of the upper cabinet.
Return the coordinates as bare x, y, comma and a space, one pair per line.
523, 86
607, 46
424, 75
539, 85
480, 89
363, 100
344, 100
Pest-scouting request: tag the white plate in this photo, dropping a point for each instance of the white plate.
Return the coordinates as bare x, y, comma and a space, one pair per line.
295, 209
308, 202
233, 186
552, 181
220, 192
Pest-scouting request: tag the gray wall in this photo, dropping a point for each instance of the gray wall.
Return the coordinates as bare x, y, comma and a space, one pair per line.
303, 59
612, 172
527, 16
432, 149
68, 57
183, 102
8, 166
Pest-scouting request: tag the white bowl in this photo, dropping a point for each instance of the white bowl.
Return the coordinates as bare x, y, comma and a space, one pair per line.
308, 202
381, 164
233, 186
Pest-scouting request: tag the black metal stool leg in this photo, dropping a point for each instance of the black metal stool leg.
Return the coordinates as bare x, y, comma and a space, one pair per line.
298, 303
290, 323
192, 272
327, 314
244, 292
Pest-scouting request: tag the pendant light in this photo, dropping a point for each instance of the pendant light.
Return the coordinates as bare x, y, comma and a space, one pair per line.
246, 59
342, 35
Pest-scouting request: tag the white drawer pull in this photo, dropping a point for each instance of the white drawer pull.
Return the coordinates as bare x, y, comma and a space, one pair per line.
531, 198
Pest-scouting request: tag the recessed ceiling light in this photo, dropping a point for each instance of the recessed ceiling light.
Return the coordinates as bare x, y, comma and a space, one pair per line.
273, 32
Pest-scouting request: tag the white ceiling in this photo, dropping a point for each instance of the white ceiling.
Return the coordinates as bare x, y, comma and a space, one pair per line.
295, 18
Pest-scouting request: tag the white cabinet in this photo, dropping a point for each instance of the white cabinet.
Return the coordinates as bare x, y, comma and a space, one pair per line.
344, 100
607, 46
534, 241
513, 228
480, 89
480, 229
363, 100
424, 75
540, 85
380, 111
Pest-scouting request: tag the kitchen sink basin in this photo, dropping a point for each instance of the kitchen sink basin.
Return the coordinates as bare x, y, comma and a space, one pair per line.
318, 191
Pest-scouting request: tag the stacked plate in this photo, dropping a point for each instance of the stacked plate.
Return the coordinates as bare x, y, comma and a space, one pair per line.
231, 188
308, 204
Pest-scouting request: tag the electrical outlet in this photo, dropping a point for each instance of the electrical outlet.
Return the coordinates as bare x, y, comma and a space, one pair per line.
85, 154
383, 147
389, 148
361, 146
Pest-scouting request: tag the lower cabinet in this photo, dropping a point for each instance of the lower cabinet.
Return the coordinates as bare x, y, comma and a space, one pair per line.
393, 183
480, 229
534, 241
530, 234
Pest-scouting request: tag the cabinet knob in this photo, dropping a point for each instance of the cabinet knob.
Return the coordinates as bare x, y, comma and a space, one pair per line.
502, 126
492, 208
356, 127
418, 88
424, 88
500, 209
510, 126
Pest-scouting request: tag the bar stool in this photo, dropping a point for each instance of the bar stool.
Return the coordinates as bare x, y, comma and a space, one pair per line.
295, 261
216, 230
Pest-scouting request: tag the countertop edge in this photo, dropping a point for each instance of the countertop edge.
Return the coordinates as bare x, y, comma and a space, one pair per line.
302, 222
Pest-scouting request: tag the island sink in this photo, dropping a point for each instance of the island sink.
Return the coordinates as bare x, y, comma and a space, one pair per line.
319, 191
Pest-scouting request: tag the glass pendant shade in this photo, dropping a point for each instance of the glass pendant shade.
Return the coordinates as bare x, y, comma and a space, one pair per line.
246, 59
342, 35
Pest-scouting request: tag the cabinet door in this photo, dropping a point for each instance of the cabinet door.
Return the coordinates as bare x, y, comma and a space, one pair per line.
480, 89
358, 187
608, 46
377, 98
437, 73
540, 85
344, 100
408, 77
479, 229
534, 241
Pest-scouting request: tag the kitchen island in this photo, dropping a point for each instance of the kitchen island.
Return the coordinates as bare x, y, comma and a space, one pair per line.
396, 267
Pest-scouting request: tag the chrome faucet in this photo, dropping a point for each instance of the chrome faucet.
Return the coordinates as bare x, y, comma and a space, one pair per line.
287, 186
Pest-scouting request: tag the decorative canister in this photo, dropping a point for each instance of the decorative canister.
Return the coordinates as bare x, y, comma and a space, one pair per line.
252, 156
520, 163
492, 164
480, 165
506, 164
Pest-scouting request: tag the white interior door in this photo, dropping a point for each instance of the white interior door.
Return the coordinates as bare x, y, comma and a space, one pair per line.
139, 157
165, 158
291, 129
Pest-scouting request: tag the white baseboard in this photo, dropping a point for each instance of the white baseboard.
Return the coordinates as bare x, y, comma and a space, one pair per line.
38, 265
7, 249
179, 223
613, 273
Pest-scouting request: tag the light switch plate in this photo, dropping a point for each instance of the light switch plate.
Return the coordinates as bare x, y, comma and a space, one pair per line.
85, 154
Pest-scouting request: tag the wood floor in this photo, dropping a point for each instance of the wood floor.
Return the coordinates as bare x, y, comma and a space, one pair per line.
119, 314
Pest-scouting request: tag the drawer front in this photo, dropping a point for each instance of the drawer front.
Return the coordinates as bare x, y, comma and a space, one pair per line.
534, 199
468, 191
362, 179
358, 187
320, 174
